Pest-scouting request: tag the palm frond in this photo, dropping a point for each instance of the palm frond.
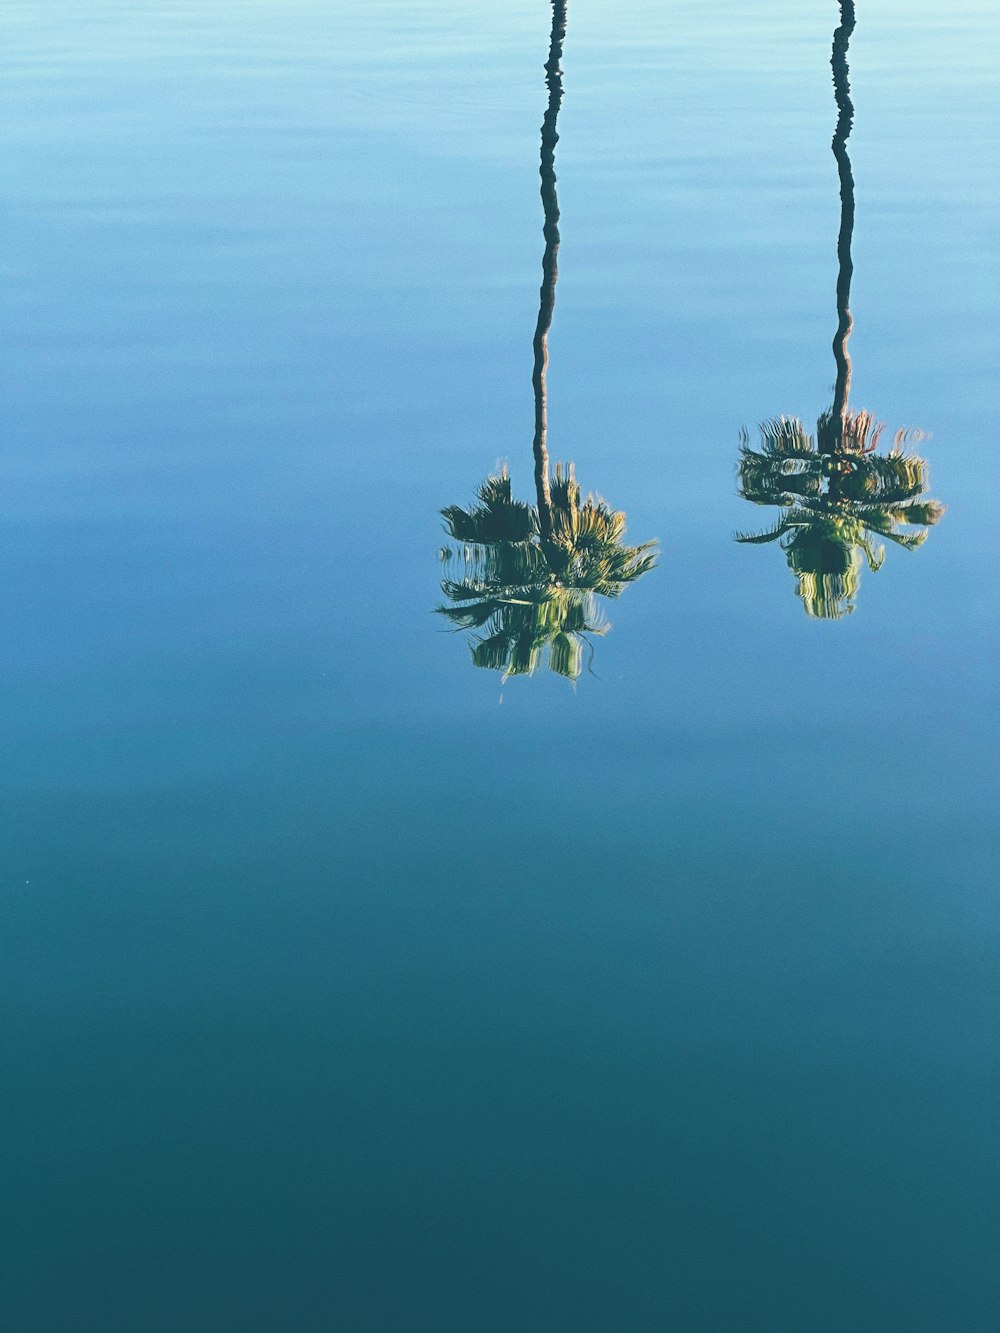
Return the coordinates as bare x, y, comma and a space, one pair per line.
565, 489
924, 513
861, 433
777, 480
492, 654
525, 655
497, 517
887, 479
500, 563
786, 437
827, 596
469, 616
566, 655
908, 435
875, 555
909, 540
760, 538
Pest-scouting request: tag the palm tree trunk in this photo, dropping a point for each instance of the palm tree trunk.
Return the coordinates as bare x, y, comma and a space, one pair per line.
845, 120
550, 271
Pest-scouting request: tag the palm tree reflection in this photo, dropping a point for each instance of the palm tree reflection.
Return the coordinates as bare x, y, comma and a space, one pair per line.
530, 592
837, 494
530, 575
838, 497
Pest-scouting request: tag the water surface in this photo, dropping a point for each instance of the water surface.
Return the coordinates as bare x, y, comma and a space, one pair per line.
349, 986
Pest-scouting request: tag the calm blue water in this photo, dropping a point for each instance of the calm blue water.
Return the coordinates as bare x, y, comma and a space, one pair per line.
348, 987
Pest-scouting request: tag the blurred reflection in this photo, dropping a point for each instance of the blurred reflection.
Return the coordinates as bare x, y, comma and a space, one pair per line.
838, 495
528, 576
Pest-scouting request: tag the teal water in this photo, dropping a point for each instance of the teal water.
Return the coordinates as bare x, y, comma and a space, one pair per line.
348, 986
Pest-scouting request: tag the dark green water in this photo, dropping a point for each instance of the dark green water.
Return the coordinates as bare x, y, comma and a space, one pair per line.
347, 986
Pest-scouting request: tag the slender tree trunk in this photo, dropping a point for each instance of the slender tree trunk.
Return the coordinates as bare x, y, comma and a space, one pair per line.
845, 120
550, 271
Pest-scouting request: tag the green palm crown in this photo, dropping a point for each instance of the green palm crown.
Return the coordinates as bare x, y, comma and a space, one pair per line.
527, 595
838, 498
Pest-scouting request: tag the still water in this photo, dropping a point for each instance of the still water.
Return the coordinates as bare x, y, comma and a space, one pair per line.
631, 978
